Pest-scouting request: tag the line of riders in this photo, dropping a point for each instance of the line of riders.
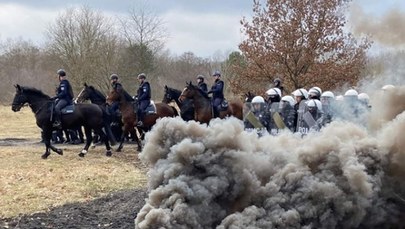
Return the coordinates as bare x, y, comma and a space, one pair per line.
304, 111
64, 98
300, 112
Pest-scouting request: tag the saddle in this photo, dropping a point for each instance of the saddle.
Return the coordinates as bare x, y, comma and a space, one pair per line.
151, 109
68, 109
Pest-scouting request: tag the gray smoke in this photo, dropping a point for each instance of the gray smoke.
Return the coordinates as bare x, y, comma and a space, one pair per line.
386, 29
220, 176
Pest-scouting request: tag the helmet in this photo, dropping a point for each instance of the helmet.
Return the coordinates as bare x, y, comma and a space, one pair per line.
216, 73
201, 77
314, 103
351, 92
113, 77
388, 87
277, 82
258, 99
142, 76
289, 99
301, 92
61, 72
328, 94
273, 91
315, 92
363, 97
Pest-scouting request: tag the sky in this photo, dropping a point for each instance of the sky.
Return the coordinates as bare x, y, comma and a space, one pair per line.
202, 27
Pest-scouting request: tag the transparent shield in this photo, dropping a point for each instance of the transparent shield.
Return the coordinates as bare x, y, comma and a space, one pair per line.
255, 118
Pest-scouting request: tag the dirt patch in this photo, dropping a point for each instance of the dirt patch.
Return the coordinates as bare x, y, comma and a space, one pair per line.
116, 210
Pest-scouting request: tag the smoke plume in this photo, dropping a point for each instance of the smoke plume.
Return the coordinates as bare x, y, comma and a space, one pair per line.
219, 176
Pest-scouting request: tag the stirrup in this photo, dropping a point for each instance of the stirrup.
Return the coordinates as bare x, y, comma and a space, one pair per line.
139, 124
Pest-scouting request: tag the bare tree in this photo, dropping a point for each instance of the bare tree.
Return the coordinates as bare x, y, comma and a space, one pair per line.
303, 42
84, 42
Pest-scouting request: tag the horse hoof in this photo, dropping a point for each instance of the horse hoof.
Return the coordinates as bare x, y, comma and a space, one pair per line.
139, 149
81, 154
118, 150
59, 151
108, 153
44, 156
93, 146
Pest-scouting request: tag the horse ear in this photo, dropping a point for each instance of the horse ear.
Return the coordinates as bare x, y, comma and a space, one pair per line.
166, 87
85, 84
18, 87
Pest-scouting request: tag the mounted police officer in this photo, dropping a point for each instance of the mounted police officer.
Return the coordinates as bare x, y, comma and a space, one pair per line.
115, 85
202, 85
217, 91
143, 98
64, 97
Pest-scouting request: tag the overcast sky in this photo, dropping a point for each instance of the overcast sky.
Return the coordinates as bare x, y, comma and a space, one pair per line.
202, 27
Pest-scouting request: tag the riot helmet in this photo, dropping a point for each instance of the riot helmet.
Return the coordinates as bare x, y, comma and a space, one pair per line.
61, 72
314, 93
114, 77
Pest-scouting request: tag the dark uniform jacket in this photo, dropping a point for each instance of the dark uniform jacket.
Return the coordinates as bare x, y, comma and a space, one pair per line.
203, 88
65, 91
217, 89
144, 92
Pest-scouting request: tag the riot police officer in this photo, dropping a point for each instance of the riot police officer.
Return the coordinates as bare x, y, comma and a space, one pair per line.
143, 98
64, 96
217, 91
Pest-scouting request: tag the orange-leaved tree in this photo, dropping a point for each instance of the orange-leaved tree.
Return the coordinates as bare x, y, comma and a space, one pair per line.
302, 42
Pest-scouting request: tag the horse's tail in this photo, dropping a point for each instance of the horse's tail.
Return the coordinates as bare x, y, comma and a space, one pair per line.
176, 113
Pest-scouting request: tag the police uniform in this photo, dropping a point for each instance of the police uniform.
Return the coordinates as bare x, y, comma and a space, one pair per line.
143, 96
217, 91
64, 97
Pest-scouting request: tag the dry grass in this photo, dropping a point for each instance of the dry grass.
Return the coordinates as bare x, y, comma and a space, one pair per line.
30, 184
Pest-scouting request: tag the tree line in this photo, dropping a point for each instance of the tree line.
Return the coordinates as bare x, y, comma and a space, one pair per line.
302, 42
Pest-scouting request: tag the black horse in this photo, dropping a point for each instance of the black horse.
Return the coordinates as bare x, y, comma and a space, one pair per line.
90, 116
186, 107
97, 97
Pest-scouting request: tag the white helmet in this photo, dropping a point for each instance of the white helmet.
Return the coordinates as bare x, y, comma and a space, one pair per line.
316, 91
273, 91
257, 99
301, 92
314, 103
289, 99
388, 87
328, 94
351, 92
363, 97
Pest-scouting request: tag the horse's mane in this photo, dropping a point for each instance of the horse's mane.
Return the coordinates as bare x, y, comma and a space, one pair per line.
174, 90
35, 91
98, 93
195, 87
127, 96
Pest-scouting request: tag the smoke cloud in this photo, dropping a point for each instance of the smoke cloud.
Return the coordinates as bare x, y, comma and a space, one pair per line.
386, 29
219, 176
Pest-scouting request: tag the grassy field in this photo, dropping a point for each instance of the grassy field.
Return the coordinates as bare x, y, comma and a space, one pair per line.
30, 184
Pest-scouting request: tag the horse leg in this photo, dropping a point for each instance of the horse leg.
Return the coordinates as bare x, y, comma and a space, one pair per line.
89, 139
135, 136
104, 138
124, 133
47, 140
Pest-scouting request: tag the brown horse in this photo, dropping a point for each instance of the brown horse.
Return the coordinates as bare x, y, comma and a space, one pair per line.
129, 115
203, 108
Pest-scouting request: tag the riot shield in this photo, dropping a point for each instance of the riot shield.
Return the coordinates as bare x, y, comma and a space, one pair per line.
276, 122
254, 118
302, 126
288, 115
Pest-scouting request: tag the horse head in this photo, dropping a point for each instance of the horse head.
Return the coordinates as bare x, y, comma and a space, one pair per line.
83, 95
19, 98
249, 96
188, 92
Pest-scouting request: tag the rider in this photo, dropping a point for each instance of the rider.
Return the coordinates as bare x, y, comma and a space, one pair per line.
143, 98
64, 97
115, 85
202, 85
217, 91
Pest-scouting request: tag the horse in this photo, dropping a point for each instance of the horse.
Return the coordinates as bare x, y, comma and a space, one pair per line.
203, 108
90, 116
97, 97
186, 107
128, 111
